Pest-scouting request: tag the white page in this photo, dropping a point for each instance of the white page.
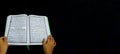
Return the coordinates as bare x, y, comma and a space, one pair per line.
16, 31
38, 29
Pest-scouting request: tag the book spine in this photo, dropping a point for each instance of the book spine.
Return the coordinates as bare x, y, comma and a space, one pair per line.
28, 28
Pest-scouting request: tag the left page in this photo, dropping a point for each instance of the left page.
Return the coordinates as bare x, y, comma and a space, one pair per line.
16, 29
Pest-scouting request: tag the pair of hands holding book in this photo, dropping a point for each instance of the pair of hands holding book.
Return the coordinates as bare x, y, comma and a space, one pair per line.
48, 45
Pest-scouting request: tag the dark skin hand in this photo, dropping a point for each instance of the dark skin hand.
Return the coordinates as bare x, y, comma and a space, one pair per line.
3, 45
49, 45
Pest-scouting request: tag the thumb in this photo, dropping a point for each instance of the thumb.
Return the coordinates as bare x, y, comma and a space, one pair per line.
44, 41
5, 39
1, 39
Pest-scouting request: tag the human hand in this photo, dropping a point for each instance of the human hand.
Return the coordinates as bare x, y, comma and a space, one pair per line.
3, 45
49, 45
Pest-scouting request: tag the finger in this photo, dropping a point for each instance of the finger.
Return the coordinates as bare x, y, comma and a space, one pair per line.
48, 39
44, 42
50, 36
5, 39
54, 44
52, 39
1, 38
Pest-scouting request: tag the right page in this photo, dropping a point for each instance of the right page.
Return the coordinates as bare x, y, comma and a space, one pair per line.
38, 29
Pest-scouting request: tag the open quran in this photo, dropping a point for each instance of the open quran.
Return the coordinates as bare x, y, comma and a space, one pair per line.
26, 29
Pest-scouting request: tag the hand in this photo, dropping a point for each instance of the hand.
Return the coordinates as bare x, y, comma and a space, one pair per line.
49, 45
3, 45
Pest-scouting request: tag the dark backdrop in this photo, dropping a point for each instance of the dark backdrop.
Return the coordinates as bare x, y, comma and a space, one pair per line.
78, 26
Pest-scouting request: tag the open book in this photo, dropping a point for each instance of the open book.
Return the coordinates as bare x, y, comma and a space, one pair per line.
25, 29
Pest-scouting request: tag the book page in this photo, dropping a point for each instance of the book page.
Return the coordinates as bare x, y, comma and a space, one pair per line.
17, 29
38, 29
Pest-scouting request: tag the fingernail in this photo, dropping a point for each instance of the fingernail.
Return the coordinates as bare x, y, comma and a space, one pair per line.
44, 39
3, 38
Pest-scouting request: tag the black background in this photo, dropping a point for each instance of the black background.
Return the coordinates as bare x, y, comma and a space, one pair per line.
78, 26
